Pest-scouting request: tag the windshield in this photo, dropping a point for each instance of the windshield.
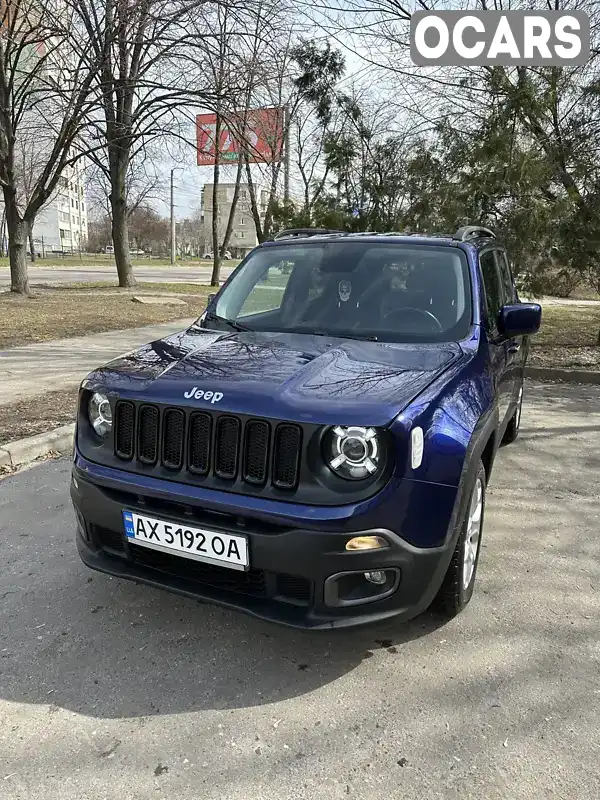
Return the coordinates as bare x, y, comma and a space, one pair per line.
387, 292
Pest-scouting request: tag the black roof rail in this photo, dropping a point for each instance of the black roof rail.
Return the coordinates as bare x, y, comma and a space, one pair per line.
473, 232
291, 232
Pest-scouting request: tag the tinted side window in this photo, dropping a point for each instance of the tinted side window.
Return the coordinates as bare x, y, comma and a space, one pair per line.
492, 285
507, 281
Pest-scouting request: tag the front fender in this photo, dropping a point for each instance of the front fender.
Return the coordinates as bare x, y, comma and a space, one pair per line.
459, 416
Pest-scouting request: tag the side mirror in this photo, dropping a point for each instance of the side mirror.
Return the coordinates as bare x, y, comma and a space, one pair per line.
521, 319
209, 299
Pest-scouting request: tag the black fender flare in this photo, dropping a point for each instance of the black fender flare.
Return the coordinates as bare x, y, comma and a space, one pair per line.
485, 431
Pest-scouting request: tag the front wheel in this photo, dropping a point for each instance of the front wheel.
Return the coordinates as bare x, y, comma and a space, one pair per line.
459, 581
512, 429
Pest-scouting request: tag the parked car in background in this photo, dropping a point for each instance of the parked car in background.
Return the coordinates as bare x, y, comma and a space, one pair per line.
226, 256
314, 450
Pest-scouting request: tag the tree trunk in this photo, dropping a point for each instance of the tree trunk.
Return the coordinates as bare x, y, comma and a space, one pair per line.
3, 234
214, 281
254, 204
234, 202
268, 220
31, 244
119, 227
17, 243
120, 237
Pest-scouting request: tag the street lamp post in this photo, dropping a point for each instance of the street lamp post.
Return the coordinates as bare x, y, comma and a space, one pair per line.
173, 239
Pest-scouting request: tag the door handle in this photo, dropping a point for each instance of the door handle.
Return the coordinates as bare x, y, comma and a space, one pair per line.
514, 347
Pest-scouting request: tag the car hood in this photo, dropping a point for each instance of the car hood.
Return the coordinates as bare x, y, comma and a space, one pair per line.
284, 376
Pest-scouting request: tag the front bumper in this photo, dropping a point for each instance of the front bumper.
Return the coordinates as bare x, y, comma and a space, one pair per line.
290, 580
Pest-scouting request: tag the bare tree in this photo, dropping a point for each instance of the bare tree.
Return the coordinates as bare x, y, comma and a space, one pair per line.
46, 91
146, 51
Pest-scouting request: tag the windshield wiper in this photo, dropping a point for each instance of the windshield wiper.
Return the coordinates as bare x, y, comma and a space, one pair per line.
232, 323
357, 336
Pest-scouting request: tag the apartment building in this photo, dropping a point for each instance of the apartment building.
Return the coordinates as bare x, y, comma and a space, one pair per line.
243, 236
62, 225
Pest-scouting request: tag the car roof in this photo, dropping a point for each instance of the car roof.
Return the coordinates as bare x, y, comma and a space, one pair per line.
475, 237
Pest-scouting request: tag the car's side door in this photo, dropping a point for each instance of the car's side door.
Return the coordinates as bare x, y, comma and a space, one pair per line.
504, 382
516, 348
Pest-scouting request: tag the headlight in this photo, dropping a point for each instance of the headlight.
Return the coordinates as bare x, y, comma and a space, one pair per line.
100, 414
353, 452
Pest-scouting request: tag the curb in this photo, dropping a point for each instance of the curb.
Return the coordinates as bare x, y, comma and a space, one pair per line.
15, 454
565, 375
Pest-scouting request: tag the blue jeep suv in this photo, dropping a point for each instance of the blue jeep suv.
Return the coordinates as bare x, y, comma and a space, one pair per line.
315, 448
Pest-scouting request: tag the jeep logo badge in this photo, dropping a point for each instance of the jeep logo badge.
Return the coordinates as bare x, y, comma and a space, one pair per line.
200, 394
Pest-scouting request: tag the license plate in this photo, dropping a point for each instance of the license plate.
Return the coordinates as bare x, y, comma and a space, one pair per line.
198, 544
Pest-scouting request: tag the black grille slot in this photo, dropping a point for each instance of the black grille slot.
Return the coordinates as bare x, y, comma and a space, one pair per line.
108, 539
124, 429
256, 451
226, 447
231, 580
199, 445
173, 430
293, 589
286, 456
148, 434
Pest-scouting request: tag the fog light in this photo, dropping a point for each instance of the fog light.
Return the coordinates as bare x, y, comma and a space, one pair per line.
366, 543
377, 576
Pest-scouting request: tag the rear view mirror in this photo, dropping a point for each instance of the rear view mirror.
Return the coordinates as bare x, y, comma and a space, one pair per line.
521, 319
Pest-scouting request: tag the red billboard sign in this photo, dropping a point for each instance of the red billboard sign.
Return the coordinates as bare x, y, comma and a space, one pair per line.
261, 137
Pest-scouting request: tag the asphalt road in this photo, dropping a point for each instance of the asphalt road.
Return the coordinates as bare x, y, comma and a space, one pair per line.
58, 275
111, 690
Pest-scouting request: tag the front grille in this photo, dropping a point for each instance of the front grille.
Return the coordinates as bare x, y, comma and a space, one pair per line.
199, 445
124, 429
256, 452
227, 447
231, 580
219, 445
287, 455
173, 430
148, 434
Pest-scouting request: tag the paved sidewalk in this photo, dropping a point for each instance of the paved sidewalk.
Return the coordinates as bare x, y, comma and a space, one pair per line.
62, 363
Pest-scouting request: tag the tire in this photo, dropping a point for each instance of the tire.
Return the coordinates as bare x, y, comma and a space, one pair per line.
458, 584
512, 429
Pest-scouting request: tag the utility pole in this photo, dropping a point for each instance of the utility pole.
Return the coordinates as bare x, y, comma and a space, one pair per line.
173, 244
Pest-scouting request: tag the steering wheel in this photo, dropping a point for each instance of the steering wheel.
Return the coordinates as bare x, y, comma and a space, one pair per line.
410, 310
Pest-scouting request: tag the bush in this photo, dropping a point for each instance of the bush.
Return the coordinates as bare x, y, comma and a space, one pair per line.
562, 283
